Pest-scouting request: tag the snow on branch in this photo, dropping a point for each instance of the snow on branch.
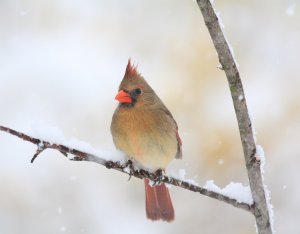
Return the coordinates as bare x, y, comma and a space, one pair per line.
128, 168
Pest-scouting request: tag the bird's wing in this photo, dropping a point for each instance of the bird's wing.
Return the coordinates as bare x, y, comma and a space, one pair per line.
179, 142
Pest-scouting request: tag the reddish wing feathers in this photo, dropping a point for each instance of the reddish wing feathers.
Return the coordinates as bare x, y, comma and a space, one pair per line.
158, 202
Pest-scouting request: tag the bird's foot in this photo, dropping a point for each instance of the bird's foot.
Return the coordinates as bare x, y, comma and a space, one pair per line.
158, 177
129, 168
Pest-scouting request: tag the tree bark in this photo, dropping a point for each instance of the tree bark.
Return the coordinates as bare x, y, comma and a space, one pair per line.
261, 211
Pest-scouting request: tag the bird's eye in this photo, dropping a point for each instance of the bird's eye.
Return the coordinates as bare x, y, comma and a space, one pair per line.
138, 91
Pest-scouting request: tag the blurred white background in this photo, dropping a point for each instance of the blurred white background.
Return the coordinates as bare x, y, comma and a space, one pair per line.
61, 62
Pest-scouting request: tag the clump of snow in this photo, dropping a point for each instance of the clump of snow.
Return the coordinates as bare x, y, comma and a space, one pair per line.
48, 133
41, 146
232, 52
222, 25
241, 97
127, 170
290, 10
86, 147
220, 66
218, 13
252, 125
233, 190
229, 45
210, 185
180, 175
260, 155
55, 135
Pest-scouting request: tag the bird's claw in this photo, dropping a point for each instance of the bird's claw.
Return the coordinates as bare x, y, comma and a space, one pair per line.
109, 164
129, 165
158, 177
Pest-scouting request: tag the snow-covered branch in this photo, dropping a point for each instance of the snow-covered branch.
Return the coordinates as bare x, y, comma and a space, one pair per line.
252, 159
210, 190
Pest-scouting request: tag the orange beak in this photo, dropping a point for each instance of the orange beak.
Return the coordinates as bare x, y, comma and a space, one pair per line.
123, 97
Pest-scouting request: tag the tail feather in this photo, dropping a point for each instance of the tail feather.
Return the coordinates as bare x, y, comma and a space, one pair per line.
158, 202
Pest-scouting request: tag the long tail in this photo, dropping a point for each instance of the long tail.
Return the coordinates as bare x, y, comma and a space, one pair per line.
158, 202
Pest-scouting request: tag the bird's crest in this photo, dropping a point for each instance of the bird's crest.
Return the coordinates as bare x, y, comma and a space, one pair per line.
131, 70
132, 78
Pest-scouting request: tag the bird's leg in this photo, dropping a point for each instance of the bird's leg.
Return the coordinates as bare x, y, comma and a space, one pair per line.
158, 177
129, 167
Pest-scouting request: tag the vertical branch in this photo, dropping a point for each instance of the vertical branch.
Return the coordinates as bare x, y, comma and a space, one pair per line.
226, 59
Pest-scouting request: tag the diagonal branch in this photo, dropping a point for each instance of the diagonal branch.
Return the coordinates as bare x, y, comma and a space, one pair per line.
125, 168
245, 126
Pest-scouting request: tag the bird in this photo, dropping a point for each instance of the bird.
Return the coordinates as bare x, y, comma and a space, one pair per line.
145, 130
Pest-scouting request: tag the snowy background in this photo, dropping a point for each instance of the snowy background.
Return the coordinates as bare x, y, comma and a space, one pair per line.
61, 62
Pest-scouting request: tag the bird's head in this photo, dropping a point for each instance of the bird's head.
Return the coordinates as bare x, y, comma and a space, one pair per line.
134, 90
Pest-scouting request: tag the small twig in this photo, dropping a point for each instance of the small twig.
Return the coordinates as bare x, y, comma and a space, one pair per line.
138, 173
40, 148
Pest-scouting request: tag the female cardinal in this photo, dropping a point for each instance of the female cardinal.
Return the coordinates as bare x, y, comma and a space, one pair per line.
145, 130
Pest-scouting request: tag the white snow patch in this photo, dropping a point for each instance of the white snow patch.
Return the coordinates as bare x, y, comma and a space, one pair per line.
223, 26
252, 125
233, 190
151, 183
210, 185
241, 97
55, 135
180, 175
220, 66
48, 133
41, 146
229, 46
71, 156
218, 13
127, 170
260, 155
232, 52
290, 10
270, 207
